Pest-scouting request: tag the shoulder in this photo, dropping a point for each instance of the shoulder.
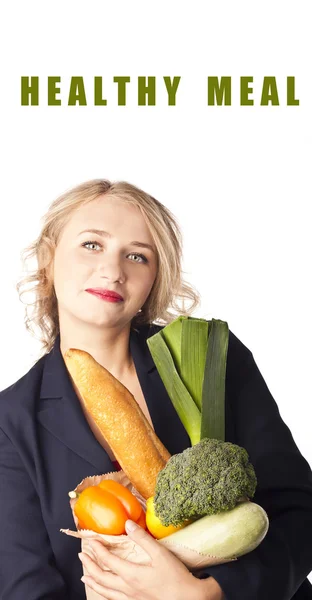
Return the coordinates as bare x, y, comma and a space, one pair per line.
148, 329
238, 349
22, 393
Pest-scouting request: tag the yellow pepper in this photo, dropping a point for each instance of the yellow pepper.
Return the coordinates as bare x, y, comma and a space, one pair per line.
155, 526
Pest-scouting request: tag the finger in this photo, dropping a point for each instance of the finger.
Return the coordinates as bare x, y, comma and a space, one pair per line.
118, 565
104, 578
105, 593
144, 539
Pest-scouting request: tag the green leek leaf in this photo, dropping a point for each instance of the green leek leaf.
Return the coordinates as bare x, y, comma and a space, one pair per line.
172, 335
193, 356
181, 399
213, 394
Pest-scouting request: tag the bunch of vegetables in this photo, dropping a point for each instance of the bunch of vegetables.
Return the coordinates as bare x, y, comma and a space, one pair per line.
212, 482
200, 508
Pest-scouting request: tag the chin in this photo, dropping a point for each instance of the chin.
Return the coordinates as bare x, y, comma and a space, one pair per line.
104, 316
104, 320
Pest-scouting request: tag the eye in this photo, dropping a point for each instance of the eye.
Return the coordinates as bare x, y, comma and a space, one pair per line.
85, 244
140, 256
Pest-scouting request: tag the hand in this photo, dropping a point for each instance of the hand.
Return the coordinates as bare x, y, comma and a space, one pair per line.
165, 578
212, 590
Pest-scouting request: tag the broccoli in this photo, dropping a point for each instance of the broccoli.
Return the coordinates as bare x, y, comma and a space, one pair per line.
208, 478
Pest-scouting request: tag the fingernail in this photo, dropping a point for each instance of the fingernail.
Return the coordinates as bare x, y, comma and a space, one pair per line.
131, 526
80, 555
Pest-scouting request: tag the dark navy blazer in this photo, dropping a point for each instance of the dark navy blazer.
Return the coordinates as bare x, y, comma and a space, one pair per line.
47, 448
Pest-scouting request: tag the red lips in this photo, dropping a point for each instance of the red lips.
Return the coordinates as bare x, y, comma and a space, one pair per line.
108, 295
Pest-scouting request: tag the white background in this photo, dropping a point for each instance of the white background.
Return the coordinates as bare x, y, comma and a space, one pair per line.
237, 178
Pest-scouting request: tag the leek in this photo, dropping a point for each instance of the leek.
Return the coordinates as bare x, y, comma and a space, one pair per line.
190, 356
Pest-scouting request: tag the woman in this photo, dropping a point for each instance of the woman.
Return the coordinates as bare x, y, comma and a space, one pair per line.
98, 238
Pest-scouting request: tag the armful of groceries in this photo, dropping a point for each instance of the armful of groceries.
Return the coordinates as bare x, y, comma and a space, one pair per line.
196, 503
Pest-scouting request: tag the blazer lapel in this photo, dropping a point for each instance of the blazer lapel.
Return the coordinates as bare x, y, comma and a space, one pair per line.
167, 424
60, 412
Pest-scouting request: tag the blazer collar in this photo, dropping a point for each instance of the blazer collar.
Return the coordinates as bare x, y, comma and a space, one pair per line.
60, 411
54, 387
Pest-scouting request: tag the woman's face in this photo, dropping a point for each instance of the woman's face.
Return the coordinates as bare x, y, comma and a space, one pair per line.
118, 260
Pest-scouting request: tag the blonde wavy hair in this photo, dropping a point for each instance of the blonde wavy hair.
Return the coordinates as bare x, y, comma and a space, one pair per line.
169, 294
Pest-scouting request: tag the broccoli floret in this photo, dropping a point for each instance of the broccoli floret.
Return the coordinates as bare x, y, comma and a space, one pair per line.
208, 478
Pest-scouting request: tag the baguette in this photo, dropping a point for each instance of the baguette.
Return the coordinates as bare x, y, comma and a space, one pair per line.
120, 419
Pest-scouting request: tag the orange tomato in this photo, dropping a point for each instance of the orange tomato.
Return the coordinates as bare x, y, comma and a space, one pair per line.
142, 520
130, 503
100, 511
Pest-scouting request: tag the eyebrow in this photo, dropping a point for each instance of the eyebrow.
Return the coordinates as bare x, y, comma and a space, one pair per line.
106, 234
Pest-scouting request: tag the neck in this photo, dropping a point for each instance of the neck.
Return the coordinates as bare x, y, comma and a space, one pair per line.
108, 346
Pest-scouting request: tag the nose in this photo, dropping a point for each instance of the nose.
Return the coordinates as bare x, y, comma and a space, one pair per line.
110, 268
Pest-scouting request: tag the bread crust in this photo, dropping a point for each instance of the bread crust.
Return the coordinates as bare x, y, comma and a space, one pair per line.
120, 419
